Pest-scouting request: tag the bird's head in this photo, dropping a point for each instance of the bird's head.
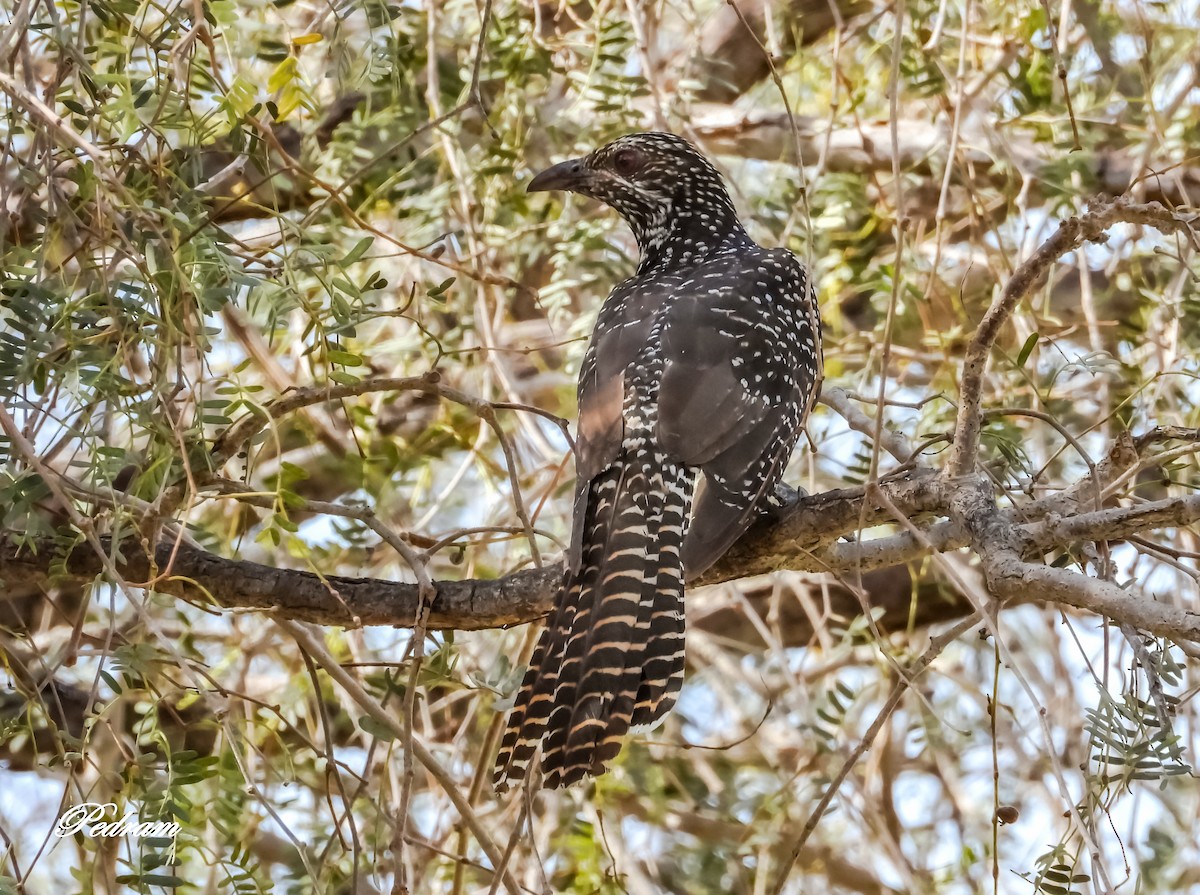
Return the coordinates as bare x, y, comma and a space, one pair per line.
660, 184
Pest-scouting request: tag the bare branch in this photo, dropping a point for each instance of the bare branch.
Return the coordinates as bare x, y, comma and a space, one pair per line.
203, 577
1071, 234
1009, 576
838, 400
805, 539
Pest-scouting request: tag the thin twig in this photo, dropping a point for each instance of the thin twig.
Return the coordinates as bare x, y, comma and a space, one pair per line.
1072, 233
421, 752
913, 670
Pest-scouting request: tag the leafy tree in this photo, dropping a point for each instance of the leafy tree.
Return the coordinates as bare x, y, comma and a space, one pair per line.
286, 355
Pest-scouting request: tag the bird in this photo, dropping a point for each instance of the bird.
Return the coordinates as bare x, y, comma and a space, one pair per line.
695, 387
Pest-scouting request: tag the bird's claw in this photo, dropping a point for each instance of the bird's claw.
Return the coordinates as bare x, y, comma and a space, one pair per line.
780, 500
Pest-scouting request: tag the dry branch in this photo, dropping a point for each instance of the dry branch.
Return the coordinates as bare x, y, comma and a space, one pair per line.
806, 538
1071, 234
204, 577
997, 543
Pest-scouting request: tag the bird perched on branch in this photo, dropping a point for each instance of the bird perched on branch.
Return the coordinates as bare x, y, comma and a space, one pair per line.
707, 360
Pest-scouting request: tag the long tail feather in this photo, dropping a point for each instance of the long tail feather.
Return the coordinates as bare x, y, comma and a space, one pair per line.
615, 640
612, 654
536, 698
662, 665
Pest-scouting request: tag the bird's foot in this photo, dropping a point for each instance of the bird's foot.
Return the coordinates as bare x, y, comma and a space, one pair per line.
780, 501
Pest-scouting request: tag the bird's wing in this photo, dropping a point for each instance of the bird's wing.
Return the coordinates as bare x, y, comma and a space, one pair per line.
739, 378
622, 329
737, 384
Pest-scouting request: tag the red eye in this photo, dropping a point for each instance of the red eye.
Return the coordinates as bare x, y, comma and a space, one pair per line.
626, 161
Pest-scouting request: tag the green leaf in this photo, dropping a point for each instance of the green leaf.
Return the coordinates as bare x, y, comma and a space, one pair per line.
283, 76
441, 287
345, 358
375, 729
360, 249
1027, 348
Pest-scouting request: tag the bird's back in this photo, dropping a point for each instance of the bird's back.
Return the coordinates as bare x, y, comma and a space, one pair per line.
724, 354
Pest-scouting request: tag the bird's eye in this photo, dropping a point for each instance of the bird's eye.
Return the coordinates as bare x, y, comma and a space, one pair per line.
626, 161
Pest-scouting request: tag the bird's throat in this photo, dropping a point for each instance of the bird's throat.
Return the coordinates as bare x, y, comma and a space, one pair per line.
670, 241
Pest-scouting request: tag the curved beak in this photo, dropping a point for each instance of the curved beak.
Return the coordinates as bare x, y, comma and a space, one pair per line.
568, 175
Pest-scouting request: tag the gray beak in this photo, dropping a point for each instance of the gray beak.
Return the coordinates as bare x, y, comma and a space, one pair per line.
568, 175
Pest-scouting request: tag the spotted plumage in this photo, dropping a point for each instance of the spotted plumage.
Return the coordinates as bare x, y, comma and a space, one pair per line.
703, 365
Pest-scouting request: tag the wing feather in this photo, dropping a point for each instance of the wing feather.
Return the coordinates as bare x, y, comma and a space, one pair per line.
723, 404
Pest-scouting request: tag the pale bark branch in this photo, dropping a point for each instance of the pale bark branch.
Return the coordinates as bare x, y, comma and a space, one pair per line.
839, 400
998, 545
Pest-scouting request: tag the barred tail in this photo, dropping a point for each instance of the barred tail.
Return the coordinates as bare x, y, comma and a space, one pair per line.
662, 664
612, 652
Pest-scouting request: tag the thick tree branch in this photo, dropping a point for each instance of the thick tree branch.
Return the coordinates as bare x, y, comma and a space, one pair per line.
805, 539
206, 578
998, 544
799, 540
203, 577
